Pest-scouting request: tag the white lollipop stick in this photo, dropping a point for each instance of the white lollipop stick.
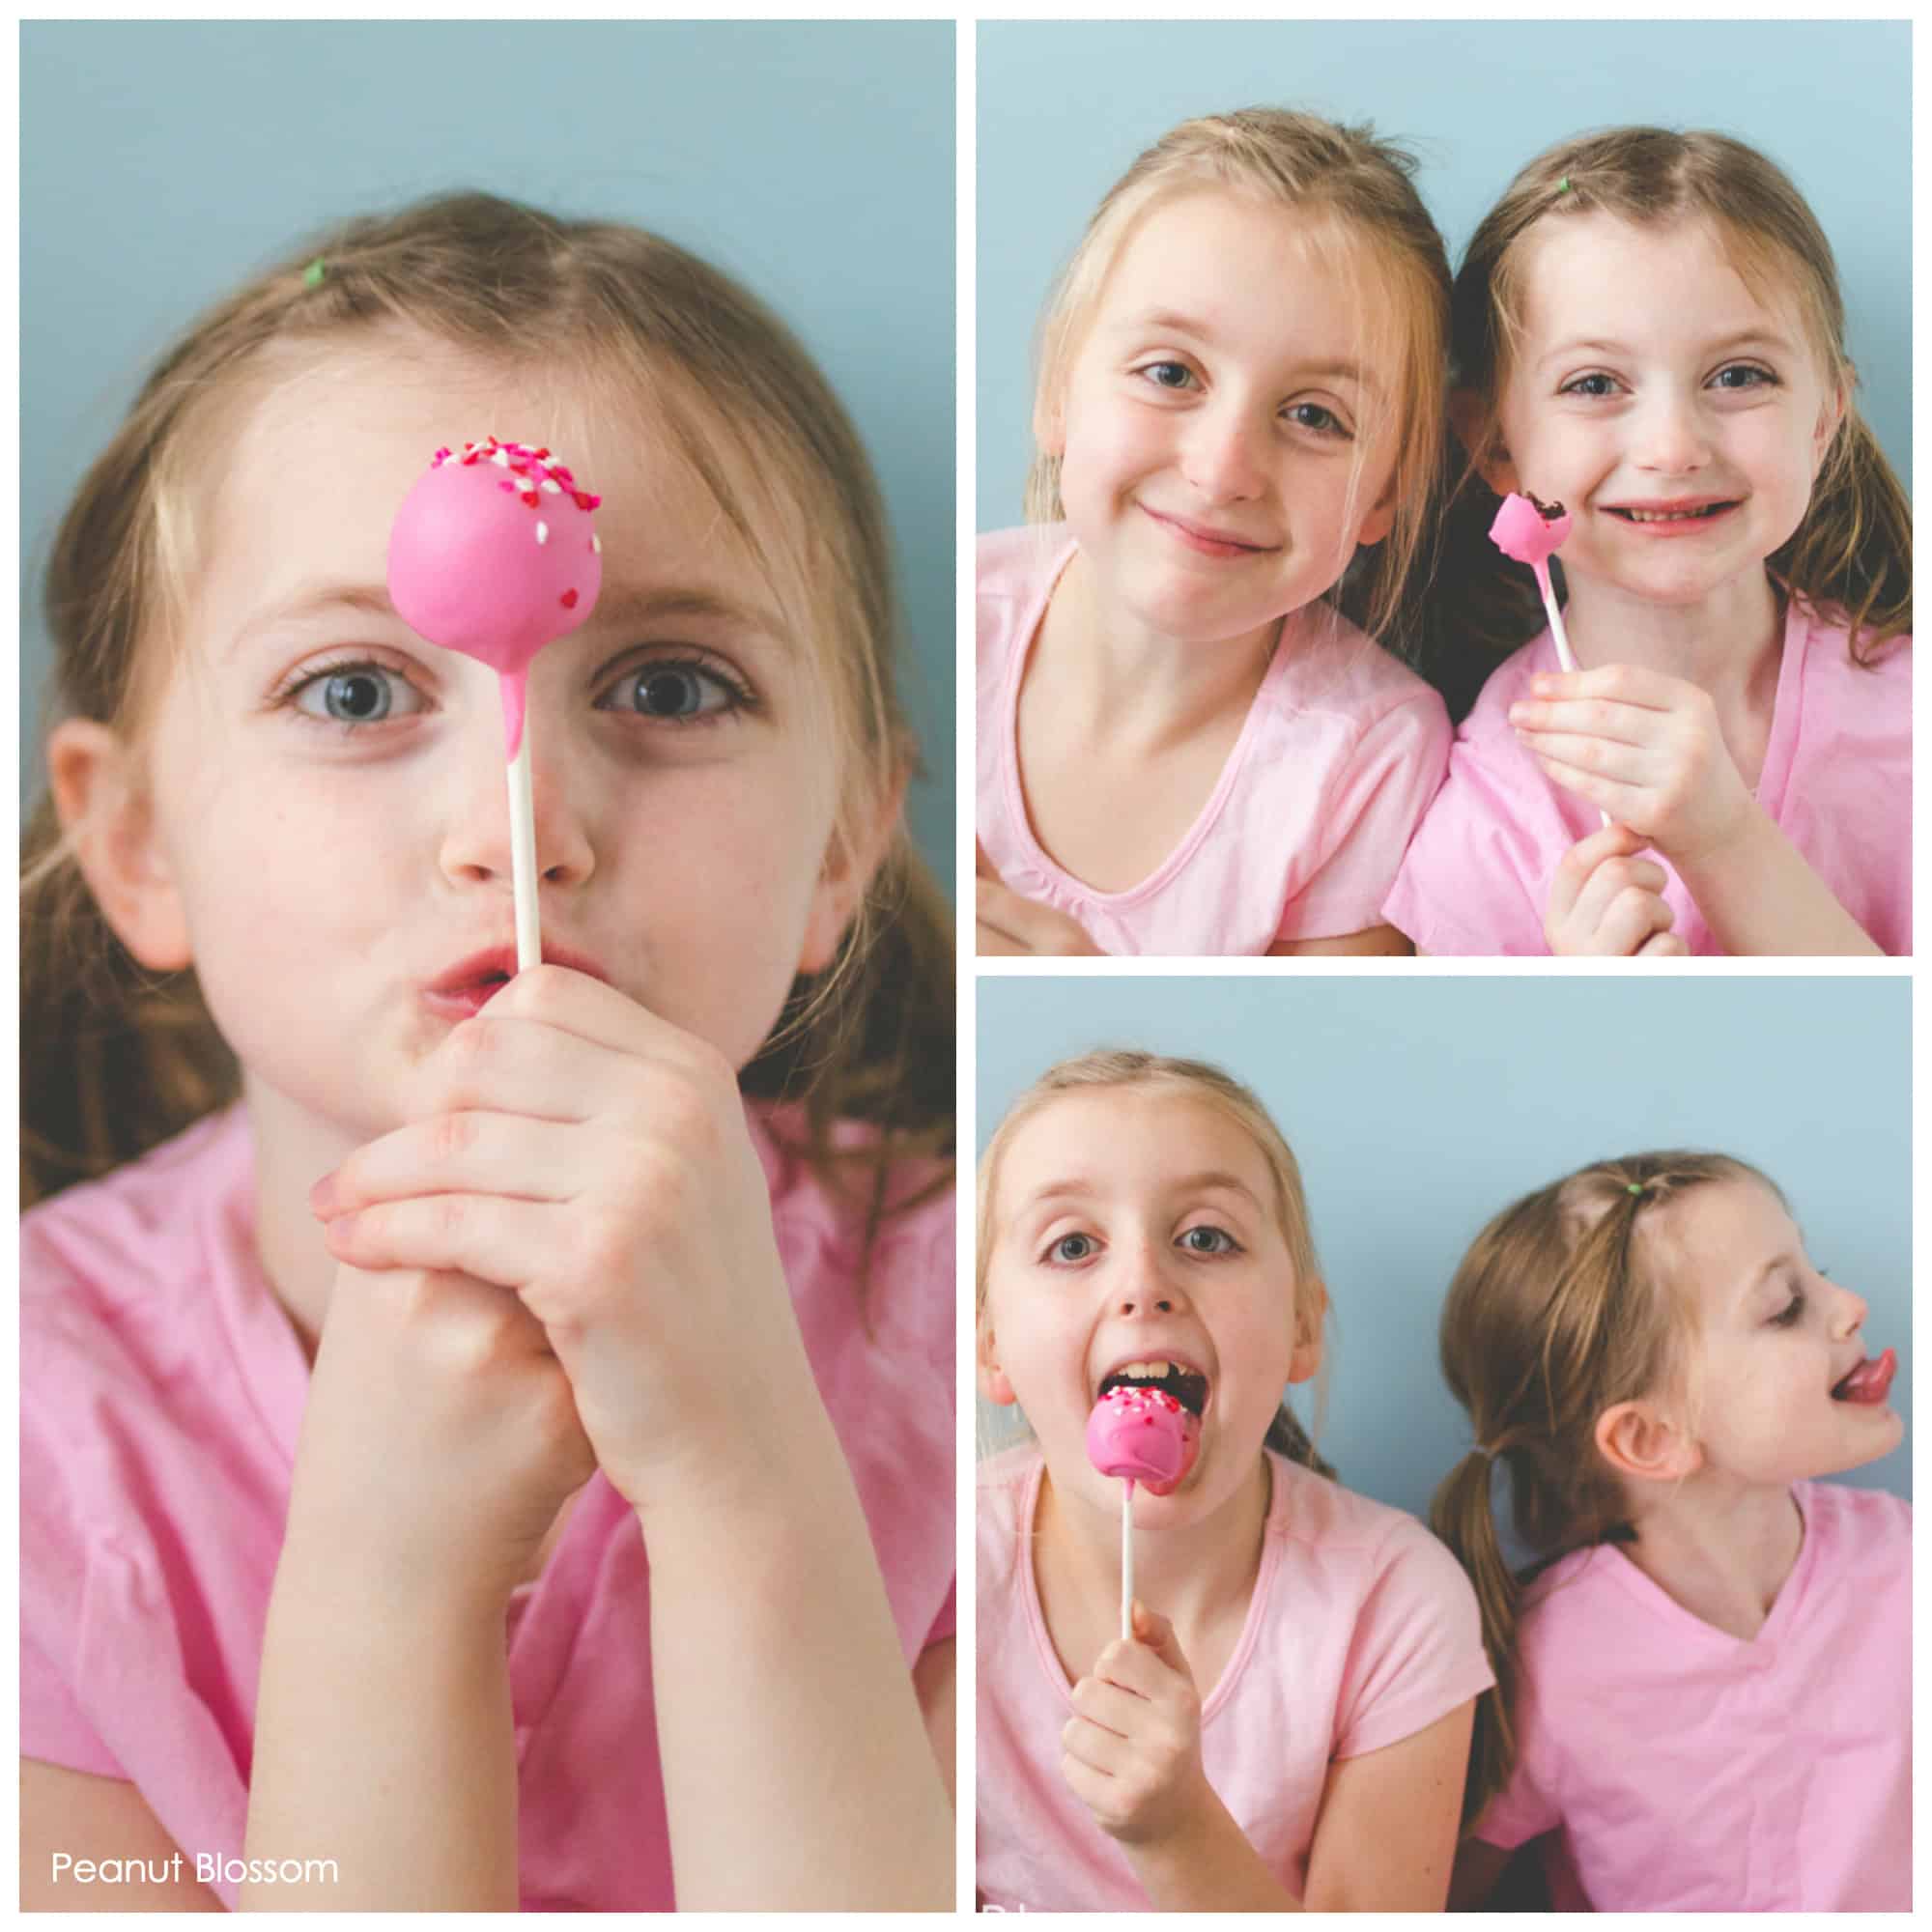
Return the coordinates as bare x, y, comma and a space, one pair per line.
524, 856
1128, 1557
1558, 636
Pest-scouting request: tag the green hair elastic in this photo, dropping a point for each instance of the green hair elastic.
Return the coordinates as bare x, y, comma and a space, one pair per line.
312, 274
1634, 1187
1563, 187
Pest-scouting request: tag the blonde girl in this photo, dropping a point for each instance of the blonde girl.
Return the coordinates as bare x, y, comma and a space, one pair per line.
1698, 1701
1186, 743
1286, 1729
1648, 330
452, 1409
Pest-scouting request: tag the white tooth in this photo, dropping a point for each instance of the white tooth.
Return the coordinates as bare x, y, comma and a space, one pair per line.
1164, 1368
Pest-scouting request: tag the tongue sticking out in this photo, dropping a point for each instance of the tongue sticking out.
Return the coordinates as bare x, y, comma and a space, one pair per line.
1145, 1435
1870, 1382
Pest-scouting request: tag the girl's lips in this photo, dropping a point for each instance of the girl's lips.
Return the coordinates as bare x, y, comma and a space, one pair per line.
1206, 542
1672, 520
1870, 1382
470, 986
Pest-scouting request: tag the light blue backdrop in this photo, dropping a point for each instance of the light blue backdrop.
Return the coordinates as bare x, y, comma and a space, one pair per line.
160, 162
1418, 1107
1062, 108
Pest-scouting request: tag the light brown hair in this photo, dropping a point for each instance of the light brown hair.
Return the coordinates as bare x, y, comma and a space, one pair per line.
1129, 1070
114, 1060
1851, 557
1361, 184
1561, 1309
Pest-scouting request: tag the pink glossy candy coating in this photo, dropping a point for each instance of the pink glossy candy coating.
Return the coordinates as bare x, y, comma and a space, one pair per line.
495, 552
1523, 532
1142, 1435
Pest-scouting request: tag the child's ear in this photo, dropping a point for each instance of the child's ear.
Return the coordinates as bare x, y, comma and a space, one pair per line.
1491, 458
854, 853
1049, 422
1311, 1314
1636, 1440
992, 1378
104, 807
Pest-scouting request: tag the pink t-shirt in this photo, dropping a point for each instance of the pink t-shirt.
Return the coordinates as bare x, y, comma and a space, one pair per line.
1362, 1631
162, 1389
1342, 750
1836, 781
1690, 1770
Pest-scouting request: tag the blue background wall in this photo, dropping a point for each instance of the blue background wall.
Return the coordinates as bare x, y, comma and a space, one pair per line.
162, 162
1064, 108
1418, 1107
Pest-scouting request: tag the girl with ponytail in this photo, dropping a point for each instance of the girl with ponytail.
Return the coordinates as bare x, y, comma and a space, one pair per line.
1656, 1376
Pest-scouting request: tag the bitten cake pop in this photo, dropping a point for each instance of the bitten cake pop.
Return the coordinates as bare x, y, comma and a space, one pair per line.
1530, 532
1140, 1435
494, 554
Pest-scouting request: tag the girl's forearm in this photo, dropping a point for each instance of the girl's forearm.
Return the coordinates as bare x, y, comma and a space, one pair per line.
1209, 1866
1758, 895
384, 1744
797, 1772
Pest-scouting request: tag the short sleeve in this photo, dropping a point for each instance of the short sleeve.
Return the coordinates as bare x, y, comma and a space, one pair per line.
1525, 1808
52, 1726
1417, 1648
1370, 814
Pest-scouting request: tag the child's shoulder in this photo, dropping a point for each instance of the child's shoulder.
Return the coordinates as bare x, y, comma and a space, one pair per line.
1003, 1485
1012, 563
1856, 1529
1329, 664
130, 1242
1342, 1529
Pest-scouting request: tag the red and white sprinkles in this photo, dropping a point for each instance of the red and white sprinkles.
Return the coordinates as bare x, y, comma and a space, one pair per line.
533, 475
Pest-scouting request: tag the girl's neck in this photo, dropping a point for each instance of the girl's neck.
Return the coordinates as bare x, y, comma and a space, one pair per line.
293, 1152
1199, 1576
1721, 1549
1124, 680
1729, 643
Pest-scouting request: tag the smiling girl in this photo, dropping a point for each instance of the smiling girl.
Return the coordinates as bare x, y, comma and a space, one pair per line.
461, 1404
1287, 1729
1702, 1696
1184, 745
1649, 332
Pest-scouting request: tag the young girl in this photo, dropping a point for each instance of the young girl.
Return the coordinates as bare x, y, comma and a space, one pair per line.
1287, 1729
1649, 332
610, 1318
1185, 747
1704, 1691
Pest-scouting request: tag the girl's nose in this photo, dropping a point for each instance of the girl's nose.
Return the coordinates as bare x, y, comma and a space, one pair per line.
1849, 1311
1671, 438
476, 839
1220, 459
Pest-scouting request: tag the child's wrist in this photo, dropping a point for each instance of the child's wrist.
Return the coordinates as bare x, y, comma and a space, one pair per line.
1736, 842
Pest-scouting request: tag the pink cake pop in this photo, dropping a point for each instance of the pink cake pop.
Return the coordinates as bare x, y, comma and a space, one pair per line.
494, 553
1143, 1435
1140, 1435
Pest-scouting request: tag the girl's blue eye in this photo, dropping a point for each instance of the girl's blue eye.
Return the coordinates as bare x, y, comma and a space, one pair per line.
1753, 378
1168, 375
675, 692
1313, 416
1208, 1240
1591, 386
1072, 1248
353, 694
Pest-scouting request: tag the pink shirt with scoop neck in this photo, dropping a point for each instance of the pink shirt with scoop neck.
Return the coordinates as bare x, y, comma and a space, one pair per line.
1362, 1631
1690, 1770
1302, 837
1836, 781
161, 1389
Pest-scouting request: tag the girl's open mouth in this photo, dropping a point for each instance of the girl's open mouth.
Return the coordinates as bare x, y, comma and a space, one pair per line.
1664, 523
1869, 1383
1187, 1386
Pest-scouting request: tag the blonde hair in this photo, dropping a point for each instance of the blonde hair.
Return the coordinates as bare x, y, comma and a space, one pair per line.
1561, 1309
1360, 183
1126, 1070
1851, 557
114, 1061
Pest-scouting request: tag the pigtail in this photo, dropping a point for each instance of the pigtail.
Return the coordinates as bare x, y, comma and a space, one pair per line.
1463, 1516
1852, 554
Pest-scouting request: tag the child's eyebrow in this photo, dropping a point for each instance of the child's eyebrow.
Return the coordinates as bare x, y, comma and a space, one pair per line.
1765, 1275
629, 609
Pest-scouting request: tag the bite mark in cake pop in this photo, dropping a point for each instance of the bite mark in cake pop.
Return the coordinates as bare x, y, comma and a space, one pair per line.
474, 568
1530, 532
